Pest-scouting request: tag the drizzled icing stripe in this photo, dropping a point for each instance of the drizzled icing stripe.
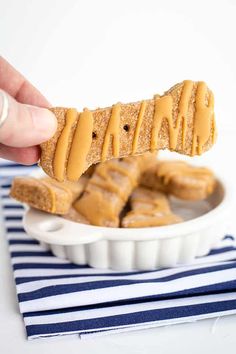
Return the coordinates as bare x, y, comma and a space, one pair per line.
170, 169
164, 110
112, 131
57, 184
108, 183
204, 120
80, 147
183, 111
59, 160
138, 126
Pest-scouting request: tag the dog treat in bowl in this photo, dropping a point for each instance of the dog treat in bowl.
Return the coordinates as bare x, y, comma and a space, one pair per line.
149, 208
179, 178
109, 189
47, 194
103, 196
181, 120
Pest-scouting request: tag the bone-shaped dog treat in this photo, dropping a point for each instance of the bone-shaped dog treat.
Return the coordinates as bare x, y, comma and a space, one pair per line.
149, 208
180, 179
47, 194
109, 189
181, 120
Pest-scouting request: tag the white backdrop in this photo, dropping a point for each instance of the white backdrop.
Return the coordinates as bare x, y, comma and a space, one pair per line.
95, 53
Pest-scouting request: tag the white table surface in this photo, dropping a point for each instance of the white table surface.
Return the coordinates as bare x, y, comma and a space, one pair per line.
95, 53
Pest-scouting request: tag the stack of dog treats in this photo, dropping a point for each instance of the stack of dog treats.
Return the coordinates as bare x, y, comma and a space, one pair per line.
127, 192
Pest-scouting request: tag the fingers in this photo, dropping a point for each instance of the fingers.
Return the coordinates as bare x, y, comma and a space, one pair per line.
25, 125
25, 156
30, 95
18, 87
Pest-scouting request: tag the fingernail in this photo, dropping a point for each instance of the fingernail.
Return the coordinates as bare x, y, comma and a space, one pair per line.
44, 121
4, 107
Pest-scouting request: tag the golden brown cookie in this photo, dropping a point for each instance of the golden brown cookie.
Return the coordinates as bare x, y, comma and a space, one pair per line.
109, 189
181, 120
149, 208
180, 179
47, 194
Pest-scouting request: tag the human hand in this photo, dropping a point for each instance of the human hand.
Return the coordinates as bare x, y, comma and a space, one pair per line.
27, 124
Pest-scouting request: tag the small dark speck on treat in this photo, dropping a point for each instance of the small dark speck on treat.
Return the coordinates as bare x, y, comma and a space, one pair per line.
126, 127
94, 135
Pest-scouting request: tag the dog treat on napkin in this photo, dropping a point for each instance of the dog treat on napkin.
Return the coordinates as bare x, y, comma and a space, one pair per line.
181, 120
180, 179
109, 189
47, 194
149, 208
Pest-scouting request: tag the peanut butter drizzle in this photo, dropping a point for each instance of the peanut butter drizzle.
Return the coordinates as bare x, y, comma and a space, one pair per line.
112, 166
108, 183
204, 121
108, 186
81, 143
149, 210
145, 199
61, 185
102, 213
157, 204
60, 155
169, 169
138, 126
95, 205
113, 131
149, 218
164, 110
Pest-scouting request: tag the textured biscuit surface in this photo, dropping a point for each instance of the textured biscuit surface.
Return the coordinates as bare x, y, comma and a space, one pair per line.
180, 179
46, 194
178, 121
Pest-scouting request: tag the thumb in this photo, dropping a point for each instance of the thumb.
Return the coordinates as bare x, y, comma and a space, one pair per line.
24, 125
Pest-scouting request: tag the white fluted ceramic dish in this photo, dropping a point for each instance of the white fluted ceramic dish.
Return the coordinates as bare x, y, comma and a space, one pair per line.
140, 248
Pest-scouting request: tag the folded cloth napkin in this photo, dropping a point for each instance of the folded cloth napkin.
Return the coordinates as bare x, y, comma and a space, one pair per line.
57, 297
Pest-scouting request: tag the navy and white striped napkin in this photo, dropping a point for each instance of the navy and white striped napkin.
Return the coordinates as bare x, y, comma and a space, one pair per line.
57, 297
